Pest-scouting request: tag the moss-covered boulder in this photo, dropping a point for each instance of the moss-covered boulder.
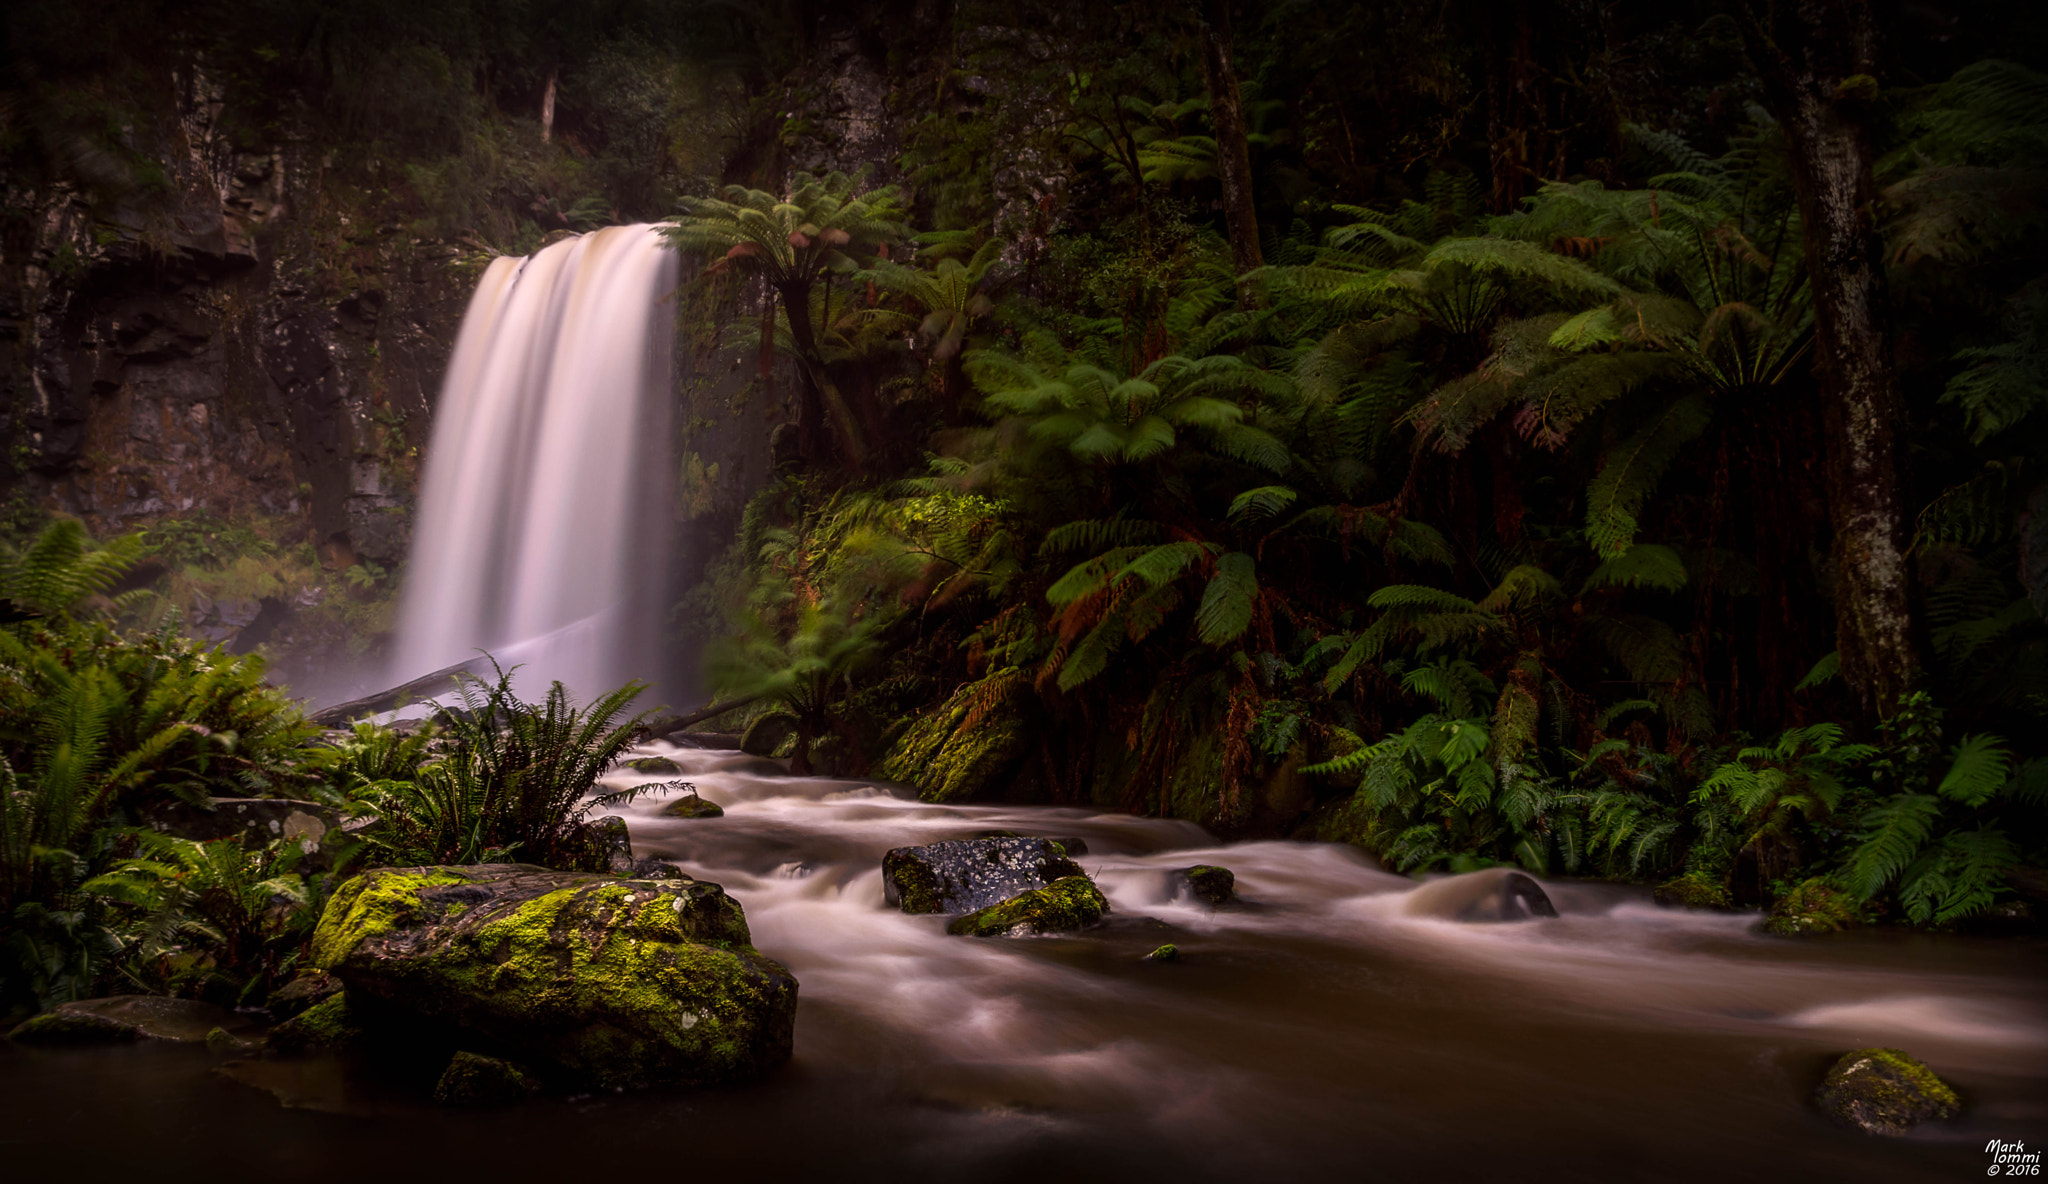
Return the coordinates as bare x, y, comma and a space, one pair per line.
658, 765
585, 978
971, 743
768, 733
692, 807
129, 1017
1693, 890
1166, 953
1061, 907
1213, 886
474, 1080
327, 1026
969, 874
302, 992
1813, 906
1883, 1091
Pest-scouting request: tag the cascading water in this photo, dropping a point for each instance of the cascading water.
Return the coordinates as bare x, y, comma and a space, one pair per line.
542, 523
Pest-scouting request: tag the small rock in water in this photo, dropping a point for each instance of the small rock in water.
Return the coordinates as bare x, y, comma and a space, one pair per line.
655, 869
223, 1041
309, 988
128, 1017
654, 764
970, 874
1166, 953
1213, 886
327, 1026
1064, 906
1883, 1091
692, 807
472, 1080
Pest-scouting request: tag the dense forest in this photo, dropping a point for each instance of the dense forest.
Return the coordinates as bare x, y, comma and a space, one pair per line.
1606, 440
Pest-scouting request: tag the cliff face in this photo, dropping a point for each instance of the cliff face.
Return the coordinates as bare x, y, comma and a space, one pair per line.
234, 339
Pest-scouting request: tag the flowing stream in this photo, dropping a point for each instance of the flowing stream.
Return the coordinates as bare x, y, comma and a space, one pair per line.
1321, 1030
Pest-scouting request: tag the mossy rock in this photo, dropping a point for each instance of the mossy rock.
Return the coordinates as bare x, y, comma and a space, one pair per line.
659, 765
768, 733
968, 874
589, 979
119, 1018
327, 1026
1213, 886
1062, 907
305, 990
1814, 906
1883, 1091
475, 1080
692, 807
949, 761
1166, 953
1694, 890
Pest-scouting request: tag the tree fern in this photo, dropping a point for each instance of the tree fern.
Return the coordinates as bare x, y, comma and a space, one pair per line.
1227, 602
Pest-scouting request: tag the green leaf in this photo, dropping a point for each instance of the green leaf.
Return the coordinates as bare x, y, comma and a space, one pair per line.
1226, 608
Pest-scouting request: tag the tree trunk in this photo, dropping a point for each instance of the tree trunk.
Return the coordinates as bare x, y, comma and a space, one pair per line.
820, 393
1233, 154
1817, 58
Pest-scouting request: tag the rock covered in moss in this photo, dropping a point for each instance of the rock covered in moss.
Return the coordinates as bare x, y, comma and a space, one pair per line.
969, 874
1166, 953
692, 807
768, 733
1813, 906
1213, 886
659, 765
305, 990
128, 1017
472, 1079
1883, 1091
587, 978
1061, 907
220, 1040
950, 759
327, 1026
1693, 890
611, 845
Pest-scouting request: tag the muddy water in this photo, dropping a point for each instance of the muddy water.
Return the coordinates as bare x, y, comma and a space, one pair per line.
1323, 1030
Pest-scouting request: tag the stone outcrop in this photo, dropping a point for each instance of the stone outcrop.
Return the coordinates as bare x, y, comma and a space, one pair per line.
585, 979
1883, 1091
966, 875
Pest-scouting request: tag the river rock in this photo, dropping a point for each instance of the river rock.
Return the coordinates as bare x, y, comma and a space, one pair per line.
585, 978
1496, 894
301, 994
1166, 953
1213, 886
1883, 1091
474, 1080
1065, 905
1813, 906
692, 807
654, 764
120, 1018
965, 875
327, 1026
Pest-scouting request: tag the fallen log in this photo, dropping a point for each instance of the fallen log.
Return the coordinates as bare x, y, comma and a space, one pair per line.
425, 686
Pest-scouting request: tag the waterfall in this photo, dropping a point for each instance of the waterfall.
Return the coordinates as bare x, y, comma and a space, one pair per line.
544, 514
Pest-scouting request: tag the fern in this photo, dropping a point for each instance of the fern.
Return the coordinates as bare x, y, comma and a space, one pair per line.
1894, 833
1630, 472
1227, 603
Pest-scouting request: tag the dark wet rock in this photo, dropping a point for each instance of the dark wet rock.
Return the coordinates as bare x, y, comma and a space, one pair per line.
692, 807
221, 1040
129, 1017
1813, 906
327, 1026
615, 844
1883, 1091
586, 978
1693, 891
969, 874
1496, 894
1071, 844
475, 1080
1166, 953
654, 764
1213, 886
300, 994
1064, 906
655, 869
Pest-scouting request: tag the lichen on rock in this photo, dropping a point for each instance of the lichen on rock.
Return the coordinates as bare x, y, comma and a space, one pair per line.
1883, 1091
1064, 906
611, 982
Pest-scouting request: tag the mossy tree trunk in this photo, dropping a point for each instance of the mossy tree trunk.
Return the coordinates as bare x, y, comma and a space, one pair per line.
1233, 151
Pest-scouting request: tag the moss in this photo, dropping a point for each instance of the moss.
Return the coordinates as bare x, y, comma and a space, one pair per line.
1166, 953
654, 764
1694, 890
916, 884
692, 807
948, 760
473, 1080
1213, 886
1883, 1091
1813, 906
221, 1040
1060, 907
326, 1026
370, 905
301, 993
620, 983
